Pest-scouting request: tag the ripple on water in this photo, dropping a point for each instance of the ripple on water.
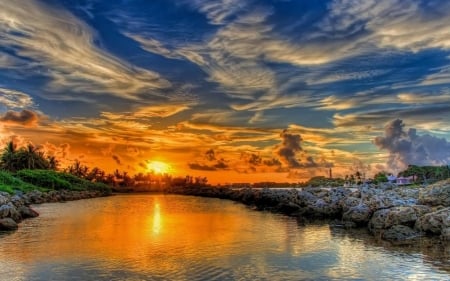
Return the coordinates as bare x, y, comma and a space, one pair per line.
157, 237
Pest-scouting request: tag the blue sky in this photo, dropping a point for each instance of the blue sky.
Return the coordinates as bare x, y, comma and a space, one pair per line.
278, 89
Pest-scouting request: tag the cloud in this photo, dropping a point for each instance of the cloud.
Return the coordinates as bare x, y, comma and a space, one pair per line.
116, 159
15, 99
408, 148
290, 145
25, 118
218, 11
210, 155
218, 165
403, 24
56, 39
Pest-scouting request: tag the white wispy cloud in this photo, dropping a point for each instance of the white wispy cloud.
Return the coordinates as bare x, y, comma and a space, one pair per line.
218, 11
403, 24
15, 99
58, 40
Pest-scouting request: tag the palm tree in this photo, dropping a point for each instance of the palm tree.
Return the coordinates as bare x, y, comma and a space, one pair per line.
8, 158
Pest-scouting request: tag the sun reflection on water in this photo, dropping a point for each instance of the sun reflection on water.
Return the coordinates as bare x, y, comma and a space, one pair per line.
157, 224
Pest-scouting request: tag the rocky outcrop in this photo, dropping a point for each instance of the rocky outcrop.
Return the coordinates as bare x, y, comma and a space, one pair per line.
436, 223
7, 224
13, 209
388, 211
437, 194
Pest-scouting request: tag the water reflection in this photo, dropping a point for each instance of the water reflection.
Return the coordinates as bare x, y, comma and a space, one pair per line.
155, 237
157, 219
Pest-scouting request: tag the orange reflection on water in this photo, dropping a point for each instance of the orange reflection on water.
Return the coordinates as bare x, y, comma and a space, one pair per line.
157, 224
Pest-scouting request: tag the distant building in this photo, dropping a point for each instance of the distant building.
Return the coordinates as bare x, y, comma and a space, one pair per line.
404, 180
392, 178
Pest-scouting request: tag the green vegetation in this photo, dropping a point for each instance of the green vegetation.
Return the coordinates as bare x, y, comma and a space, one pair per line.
380, 177
426, 174
10, 184
28, 168
324, 181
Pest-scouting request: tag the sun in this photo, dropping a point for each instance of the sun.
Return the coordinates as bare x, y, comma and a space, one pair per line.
159, 167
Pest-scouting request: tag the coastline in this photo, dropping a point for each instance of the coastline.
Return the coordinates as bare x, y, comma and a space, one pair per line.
393, 213
16, 208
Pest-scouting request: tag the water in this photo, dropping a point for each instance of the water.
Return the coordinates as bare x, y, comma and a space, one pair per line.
168, 237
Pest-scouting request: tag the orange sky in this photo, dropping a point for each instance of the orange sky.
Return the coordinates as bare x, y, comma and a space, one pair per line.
238, 90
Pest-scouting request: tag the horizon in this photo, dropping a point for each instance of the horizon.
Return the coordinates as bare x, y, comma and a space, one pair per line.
237, 91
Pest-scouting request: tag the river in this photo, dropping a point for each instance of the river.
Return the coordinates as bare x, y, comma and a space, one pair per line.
170, 237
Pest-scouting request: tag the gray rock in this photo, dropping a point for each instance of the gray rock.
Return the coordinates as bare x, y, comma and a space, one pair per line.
359, 214
377, 221
4, 198
10, 211
8, 224
403, 215
445, 234
435, 222
27, 212
436, 194
400, 233
349, 202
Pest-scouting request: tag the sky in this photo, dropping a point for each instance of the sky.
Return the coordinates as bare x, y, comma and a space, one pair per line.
234, 90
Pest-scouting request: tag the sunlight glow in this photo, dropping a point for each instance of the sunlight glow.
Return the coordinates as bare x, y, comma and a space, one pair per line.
159, 167
157, 219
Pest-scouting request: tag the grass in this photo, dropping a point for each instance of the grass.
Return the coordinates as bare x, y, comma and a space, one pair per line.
45, 180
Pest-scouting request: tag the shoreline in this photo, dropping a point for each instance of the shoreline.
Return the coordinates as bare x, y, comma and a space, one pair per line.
393, 213
16, 208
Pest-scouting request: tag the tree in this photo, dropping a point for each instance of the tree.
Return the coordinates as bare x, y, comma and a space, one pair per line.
8, 159
380, 177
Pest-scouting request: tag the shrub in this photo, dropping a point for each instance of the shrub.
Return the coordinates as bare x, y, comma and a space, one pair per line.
43, 178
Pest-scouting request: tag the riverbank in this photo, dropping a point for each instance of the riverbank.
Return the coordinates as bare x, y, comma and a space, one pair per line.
15, 208
388, 211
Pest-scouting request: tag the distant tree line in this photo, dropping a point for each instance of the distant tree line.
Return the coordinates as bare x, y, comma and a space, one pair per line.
15, 159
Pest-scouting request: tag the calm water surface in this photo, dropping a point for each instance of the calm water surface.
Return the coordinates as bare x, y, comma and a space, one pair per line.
168, 237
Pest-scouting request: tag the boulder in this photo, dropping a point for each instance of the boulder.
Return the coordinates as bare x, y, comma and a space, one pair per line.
18, 201
27, 212
435, 222
4, 198
437, 194
349, 202
378, 220
404, 215
445, 234
359, 214
8, 224
10, 211
400, 233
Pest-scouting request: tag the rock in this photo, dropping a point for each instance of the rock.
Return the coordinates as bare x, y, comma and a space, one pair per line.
436, 194
445, 234
349, 202
10, 211
403, 215
8, 224
359, 214
18, 201
400, 233
27, 212
288, 208
4, 198
377, 222
435, 222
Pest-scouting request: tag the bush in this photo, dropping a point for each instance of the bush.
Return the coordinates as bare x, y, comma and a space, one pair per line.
43, 178
9, 183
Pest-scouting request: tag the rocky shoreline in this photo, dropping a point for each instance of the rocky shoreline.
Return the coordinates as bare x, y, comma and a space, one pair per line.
15, 208
388, 211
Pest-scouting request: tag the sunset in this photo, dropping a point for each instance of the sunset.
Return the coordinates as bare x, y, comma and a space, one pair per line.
165, 113
231, 90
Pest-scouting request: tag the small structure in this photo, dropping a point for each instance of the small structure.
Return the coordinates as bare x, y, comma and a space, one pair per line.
404, 180
391, 178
